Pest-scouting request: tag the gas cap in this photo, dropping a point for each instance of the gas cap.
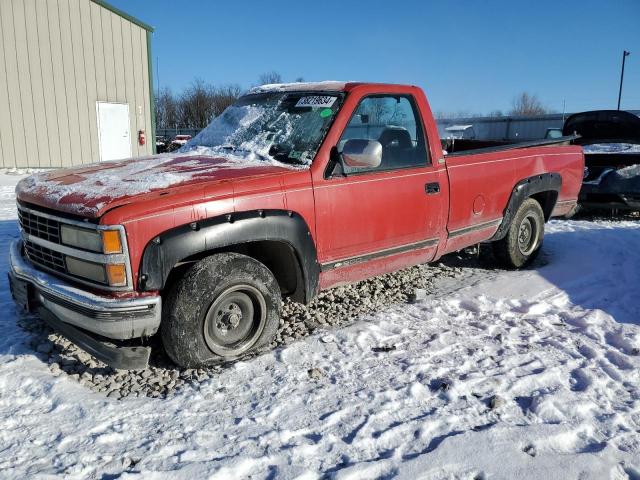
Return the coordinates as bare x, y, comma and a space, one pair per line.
478, 205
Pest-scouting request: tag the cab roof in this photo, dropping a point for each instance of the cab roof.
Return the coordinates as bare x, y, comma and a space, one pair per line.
325, 86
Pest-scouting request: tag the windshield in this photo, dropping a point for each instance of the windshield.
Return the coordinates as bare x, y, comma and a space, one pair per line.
284, 126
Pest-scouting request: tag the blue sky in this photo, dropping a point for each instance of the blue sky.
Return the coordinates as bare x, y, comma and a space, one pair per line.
471, 56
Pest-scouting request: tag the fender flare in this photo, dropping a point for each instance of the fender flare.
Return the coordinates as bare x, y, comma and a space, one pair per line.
168, 249
528, 187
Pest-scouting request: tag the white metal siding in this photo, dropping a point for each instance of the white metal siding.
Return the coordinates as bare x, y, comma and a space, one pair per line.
58, 58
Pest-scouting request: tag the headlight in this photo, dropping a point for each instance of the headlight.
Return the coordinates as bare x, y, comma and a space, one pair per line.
112, 274
89, 270
102, 241
81, 238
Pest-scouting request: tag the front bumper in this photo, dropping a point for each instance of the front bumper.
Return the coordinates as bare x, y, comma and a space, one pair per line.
88, 319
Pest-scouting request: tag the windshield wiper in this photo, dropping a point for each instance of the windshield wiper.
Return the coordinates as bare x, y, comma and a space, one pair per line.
283, 155
275, 153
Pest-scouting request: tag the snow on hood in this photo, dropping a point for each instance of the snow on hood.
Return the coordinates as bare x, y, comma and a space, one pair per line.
612, 148
88, 190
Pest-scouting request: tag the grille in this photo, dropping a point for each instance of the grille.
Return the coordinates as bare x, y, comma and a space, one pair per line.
45, 257
38, 226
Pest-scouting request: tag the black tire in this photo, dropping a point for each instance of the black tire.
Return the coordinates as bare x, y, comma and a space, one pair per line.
224, 307
524, 238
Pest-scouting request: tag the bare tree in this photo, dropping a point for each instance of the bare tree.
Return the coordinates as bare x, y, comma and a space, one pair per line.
196, 105
225, 96
454, 115
299, 80
377, 110
527, 104
270, 77
201, 102
166, 109
495, 113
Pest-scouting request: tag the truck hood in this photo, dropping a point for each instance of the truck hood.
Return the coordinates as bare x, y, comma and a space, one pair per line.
91, 190
603, 126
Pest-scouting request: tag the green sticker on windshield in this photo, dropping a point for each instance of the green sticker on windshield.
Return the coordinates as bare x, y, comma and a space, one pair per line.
326, 112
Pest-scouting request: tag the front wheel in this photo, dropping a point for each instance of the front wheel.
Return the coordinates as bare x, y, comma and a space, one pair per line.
225, 306
523, 240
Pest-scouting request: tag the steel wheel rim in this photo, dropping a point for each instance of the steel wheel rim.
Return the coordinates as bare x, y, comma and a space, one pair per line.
235, 320
528, 235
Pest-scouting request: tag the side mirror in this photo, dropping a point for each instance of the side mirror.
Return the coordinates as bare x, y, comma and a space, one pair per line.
361, 153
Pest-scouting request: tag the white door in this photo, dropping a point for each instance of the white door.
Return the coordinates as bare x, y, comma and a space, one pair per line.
114, 134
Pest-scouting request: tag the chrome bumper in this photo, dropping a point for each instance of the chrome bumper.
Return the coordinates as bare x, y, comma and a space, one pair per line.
111, 317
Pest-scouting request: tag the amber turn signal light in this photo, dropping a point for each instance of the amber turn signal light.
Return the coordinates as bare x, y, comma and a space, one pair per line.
116, 274
111, 241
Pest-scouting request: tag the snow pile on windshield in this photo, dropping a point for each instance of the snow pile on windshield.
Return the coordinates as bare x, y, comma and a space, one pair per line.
287, 128
612, 148
229, 132
223, 127
218, 135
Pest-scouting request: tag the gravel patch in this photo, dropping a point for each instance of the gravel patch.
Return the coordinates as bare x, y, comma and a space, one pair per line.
333, 308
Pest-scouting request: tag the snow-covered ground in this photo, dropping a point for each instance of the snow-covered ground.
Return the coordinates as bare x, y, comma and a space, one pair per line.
529, 374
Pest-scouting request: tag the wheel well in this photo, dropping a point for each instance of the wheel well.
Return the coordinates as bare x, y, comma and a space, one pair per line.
279, 257
543, 188
547, 201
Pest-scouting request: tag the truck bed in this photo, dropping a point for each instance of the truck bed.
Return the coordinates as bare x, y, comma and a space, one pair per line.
481, 182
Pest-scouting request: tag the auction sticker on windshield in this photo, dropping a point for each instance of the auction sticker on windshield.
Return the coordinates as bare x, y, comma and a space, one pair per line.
316, 101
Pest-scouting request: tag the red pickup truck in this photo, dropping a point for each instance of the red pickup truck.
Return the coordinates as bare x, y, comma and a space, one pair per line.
292, 190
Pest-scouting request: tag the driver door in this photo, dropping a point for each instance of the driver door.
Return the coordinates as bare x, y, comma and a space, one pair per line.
376, 212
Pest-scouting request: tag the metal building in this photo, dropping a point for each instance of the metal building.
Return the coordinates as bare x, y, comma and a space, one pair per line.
75, 83
511, 128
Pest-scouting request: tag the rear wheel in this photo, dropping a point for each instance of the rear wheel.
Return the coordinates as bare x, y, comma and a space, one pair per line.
523, 241
224, 306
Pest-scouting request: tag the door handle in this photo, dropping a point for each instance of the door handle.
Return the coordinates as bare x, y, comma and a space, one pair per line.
432, 188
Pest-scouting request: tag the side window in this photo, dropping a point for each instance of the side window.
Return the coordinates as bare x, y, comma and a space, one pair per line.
395, 123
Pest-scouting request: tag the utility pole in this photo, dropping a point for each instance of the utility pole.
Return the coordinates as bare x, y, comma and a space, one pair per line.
625, 54
158, 77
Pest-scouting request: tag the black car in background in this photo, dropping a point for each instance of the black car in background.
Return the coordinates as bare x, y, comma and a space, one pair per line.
161, 144
611, 143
